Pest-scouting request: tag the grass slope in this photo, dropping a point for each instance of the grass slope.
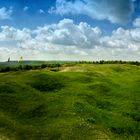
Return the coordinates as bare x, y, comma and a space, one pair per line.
81, 102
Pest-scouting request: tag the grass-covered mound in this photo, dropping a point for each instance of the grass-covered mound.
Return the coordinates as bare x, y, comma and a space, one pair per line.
81, 102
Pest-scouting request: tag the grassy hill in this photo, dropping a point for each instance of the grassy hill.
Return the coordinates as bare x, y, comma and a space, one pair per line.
80, 102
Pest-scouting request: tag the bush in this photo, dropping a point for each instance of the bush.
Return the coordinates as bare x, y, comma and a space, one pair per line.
28, 67
43, 66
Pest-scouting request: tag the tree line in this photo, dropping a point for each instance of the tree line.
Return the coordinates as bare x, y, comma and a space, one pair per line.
57, 65
29, 67
110, 62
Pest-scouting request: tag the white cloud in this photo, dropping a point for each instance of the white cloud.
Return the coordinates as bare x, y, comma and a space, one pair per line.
5, 13
41, 11
26, 8
116, 11
126, 42
10, 33
69, 41
69, 34
136, 22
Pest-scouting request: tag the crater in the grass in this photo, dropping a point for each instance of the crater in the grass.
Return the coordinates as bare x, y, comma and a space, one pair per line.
100, 87
45, 82
7, 88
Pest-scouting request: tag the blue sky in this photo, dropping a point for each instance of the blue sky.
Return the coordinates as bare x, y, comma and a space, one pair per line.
53, 23
26, 13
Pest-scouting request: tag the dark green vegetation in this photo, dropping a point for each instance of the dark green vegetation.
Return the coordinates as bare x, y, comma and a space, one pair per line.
29, 65
79, 102
54, 65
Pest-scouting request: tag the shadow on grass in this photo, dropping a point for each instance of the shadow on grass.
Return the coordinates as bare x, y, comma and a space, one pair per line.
45, 82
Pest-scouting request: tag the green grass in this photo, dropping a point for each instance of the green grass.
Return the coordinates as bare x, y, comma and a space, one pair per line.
80, 102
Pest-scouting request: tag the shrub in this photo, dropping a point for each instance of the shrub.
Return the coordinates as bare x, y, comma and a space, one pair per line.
28, 67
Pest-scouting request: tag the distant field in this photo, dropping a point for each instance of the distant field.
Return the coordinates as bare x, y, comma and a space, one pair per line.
16, 63
78, 102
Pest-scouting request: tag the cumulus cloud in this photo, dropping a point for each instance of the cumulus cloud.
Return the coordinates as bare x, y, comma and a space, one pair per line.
69, 41
116, 11
5, 13
69, 34
127, 42
25, 8
136, 22
41, 11
10, 33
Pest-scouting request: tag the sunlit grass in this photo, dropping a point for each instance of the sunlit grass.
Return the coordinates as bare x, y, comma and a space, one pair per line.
80, 102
